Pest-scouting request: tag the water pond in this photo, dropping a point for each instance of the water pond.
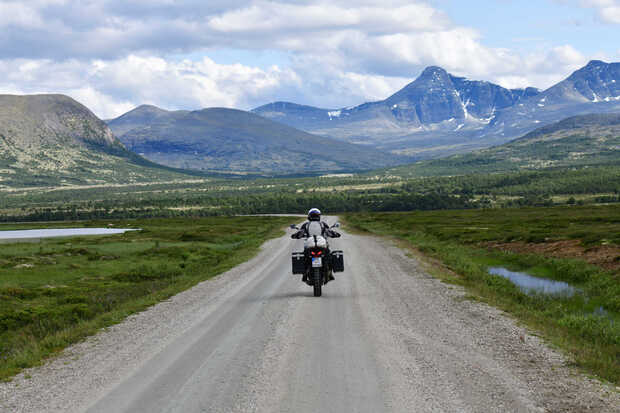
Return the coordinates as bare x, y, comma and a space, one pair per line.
531, 285
58, 232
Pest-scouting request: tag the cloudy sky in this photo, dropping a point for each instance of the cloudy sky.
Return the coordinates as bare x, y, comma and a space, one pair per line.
113, 55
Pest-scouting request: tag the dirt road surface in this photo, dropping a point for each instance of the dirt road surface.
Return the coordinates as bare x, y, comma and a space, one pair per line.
384, 337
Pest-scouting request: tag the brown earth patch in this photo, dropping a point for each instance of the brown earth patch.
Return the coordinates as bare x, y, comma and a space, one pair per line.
605, 256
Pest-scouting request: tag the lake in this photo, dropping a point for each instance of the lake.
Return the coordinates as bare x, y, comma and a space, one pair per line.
59, 232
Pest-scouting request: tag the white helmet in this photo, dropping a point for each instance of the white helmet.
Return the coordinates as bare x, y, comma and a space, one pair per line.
314, 214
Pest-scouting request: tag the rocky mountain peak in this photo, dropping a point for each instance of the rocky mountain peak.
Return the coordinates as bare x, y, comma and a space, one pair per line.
431, 98
433, 72
430, 79
593, 69
598, 81
438, 96
595, 64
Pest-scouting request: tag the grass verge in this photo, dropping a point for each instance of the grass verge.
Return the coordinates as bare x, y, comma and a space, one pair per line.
586, 326
58, 291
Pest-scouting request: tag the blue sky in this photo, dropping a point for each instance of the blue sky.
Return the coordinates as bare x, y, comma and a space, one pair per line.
526, 25
113, 55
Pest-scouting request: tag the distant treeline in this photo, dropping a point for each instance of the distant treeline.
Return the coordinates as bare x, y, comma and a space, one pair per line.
260, 204
285, 196
288, 204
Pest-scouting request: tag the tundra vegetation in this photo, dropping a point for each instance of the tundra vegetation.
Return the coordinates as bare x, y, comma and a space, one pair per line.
579, 245
57, 291
386, 190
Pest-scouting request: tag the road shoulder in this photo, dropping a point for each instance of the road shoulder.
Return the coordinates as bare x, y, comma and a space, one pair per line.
444, 338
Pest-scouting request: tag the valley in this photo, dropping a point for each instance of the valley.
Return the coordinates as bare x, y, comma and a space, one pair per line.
158, 160
192, 183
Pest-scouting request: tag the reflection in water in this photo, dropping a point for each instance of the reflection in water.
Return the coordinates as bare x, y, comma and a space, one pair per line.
529, 284
59, 232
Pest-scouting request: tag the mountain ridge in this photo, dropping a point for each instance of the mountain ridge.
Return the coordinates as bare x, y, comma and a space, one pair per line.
438, 113
410, 104
217, 139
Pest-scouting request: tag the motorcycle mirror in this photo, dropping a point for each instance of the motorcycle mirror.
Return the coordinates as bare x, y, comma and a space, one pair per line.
336, 225
293, 226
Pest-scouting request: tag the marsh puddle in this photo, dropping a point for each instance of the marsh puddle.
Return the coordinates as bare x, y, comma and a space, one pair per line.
59, 232
529, 284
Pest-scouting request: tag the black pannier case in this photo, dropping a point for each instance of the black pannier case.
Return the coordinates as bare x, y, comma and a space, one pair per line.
299, 263
337, 261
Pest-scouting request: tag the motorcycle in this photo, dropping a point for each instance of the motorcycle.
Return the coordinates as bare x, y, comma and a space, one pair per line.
317, 262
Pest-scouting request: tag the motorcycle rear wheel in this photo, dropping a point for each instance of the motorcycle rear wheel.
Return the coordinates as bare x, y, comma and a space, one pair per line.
317, 282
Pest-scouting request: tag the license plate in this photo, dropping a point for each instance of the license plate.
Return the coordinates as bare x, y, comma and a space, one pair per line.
317, 262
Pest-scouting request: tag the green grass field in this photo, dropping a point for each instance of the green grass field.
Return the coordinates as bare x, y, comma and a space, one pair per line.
586, 326
591, 224
58, 291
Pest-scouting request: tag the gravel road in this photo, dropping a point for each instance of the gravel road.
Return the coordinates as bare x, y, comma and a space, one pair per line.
385, 336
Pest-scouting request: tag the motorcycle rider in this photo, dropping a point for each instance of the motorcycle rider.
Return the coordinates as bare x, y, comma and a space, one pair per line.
314, 226
308, 228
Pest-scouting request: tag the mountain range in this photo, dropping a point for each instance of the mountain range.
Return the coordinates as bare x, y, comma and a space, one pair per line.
438, 113
54, 140
219, 139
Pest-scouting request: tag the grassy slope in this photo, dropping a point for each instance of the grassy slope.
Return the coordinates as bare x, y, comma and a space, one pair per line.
50, 140
454, 237
577, 141
59, 291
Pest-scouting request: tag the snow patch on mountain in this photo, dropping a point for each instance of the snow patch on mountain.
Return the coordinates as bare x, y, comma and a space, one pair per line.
334, 114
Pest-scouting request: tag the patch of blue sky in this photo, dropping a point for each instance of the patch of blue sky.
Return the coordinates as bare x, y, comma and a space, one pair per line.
529, 26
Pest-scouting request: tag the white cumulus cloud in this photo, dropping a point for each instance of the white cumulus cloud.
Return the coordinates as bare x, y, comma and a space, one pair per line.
114, 54
322, 15
110, 88
608, 10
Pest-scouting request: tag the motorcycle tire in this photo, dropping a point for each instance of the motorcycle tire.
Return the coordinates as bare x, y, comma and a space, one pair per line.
317, 282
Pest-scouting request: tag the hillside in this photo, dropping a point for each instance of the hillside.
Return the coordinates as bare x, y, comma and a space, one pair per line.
585, 140
54, 140
219, 139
